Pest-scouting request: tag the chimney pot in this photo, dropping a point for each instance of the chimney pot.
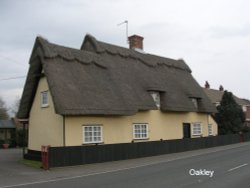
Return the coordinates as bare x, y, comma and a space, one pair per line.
135, 42
207, 86
221, 88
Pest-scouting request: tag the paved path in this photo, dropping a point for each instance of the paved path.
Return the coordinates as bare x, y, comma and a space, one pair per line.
13, 174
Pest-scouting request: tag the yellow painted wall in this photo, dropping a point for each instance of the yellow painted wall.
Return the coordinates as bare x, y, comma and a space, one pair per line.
45, 126
120, 129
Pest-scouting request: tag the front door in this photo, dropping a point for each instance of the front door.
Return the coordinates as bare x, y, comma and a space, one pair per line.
186, 130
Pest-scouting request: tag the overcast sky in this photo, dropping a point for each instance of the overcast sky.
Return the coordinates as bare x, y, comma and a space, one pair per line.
212, 36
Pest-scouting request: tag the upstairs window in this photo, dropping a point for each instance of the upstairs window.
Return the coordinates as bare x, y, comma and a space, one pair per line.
195, 102
156, 97
44, 99
217, 104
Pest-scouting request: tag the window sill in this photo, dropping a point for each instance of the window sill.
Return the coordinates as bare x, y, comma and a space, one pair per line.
197, 135
138, 139
91, 143
45, 106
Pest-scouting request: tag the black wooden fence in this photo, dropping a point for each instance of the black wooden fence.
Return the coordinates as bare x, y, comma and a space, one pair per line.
78, 155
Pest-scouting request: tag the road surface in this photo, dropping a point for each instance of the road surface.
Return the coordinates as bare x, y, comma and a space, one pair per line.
230, 169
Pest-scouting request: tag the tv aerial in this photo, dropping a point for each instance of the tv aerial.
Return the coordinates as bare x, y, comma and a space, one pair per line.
122, 23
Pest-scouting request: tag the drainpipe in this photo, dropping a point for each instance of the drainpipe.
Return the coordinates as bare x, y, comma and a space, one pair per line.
64, 136
24, 137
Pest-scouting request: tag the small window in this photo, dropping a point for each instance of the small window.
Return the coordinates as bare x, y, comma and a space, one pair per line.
210, 130
244, 108
195, 102
156, 97
92, 134
217, 104
140, 131
196, 129
45, 99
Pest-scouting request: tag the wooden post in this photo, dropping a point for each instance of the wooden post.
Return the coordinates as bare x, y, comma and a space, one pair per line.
45, 157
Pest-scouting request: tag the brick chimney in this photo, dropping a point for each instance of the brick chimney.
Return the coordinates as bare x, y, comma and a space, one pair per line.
135, 42
207, 86
221, 88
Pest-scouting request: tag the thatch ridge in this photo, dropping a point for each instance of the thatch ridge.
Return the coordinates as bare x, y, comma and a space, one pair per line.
148, 59
69, 54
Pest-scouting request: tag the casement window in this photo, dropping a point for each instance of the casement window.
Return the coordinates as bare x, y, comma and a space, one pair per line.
217, 104
195, 102
196, 129
140, 131
210, 129
45, 99
156, 97
92, 134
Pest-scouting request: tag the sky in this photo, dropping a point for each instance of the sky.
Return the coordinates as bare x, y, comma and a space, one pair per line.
212, 36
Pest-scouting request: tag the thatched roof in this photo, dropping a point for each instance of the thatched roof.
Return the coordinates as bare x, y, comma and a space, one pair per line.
104, 79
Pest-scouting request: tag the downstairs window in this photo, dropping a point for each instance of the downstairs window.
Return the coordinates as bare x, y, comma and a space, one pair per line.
92, 134
140, 131
196, 129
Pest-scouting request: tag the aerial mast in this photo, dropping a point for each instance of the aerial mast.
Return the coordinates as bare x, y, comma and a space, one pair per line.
125, 22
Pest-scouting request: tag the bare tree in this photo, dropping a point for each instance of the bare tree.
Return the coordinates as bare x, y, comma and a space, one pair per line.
3, 110
15, 106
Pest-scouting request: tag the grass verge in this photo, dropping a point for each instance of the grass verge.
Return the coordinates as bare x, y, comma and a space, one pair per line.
31, 163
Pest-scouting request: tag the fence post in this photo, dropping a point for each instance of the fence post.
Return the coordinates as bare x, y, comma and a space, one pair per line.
45, 157
241, 137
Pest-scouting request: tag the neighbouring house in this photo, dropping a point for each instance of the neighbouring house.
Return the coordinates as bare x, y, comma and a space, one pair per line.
216, 96
246, 109
104, 94
7, 128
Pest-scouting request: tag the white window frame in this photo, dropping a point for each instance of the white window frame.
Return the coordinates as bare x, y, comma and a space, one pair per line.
217, 104
95, 134
196, 129
210, 129
44, 99
140, 131
195, 102
156, 97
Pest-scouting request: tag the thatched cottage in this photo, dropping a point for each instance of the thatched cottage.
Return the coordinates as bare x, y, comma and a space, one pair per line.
103, 94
